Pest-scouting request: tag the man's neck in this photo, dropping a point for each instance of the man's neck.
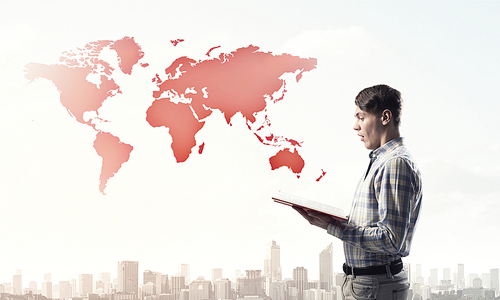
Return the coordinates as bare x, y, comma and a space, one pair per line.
390, 134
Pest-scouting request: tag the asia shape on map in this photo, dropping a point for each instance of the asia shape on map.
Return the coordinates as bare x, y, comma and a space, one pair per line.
244, 81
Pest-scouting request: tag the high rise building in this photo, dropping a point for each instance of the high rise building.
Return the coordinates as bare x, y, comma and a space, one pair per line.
251, 285
149, 276
128, 277
326, 269
162, 284
105, 277
65, 290
222, 289
434, 280
216, 274
148, 289
178, 284
272, 265
486, 280
184, 271
278, 290
85, 284
460, 276
301, 281
33, 287
47, 289
495, 280
17, 281
447, 274
200, 289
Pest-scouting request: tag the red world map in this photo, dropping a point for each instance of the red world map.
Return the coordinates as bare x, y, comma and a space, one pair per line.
244, 81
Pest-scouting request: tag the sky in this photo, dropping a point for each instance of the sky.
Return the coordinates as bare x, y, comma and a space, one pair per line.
215, 209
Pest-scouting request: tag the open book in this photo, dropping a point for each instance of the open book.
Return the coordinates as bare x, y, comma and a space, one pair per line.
292, 200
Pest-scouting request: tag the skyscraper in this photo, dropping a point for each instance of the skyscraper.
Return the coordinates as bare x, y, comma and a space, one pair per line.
461, 276
216, 274
178, 284
251, 285
33, 287
200, 289
495, 280
47, 289
272, 266
184, 271
301, 281
222, 289
326, 268
65, 290
128, 277
18, 283
434, 280
85, 283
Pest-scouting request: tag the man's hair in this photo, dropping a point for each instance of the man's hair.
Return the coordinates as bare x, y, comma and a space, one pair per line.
378, 98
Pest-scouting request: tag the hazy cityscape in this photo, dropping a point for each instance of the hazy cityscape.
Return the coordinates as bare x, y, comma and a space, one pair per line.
261, 284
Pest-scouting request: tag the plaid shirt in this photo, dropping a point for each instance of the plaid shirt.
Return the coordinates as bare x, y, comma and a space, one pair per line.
385, 209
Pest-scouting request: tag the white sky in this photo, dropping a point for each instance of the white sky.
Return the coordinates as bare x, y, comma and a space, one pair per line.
214, 210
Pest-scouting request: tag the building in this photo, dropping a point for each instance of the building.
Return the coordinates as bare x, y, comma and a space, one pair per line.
251, 285
47, 289
162, 286
216, 274
148, 290
277, 290
200, 289
65, 290
301, 281
495, 280
222, 289
272, 265
33, 287
17, 281
434, 279
184, 271
326, 269
128, 277
85, 284
461, 276
178, 284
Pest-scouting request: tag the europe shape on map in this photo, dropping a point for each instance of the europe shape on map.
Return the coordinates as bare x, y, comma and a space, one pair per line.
244, 81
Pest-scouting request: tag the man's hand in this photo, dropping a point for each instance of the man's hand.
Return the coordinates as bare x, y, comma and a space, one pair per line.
315, 218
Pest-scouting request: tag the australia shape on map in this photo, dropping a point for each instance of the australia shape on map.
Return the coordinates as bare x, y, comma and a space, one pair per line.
243, 81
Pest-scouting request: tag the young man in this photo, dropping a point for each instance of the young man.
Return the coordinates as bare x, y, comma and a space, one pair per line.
386, 203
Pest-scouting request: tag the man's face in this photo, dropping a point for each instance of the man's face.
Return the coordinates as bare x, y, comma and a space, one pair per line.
369, 128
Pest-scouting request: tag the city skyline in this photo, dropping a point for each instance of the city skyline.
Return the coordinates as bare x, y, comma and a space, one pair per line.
132, 269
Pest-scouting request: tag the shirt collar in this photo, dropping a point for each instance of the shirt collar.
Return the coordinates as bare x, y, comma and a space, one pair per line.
386, 147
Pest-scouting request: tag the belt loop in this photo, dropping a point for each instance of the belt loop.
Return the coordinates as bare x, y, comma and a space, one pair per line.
352, 272
388, 270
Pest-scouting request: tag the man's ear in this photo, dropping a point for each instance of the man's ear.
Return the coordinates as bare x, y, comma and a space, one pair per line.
386, 117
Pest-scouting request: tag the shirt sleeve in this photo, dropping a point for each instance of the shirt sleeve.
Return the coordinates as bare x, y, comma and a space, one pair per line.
394, 191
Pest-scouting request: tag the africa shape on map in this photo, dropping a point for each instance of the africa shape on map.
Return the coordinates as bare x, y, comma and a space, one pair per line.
244, 81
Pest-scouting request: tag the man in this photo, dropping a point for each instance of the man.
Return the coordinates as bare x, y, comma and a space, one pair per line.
386, 203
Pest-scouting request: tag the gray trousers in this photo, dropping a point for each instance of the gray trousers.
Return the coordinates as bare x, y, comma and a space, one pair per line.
380, 287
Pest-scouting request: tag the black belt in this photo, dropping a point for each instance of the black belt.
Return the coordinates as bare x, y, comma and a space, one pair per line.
395, 267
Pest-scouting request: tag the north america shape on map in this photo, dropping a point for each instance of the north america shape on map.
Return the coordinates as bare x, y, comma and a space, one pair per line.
244, 81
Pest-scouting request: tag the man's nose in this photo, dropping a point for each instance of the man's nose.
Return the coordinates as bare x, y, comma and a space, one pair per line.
355, 126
